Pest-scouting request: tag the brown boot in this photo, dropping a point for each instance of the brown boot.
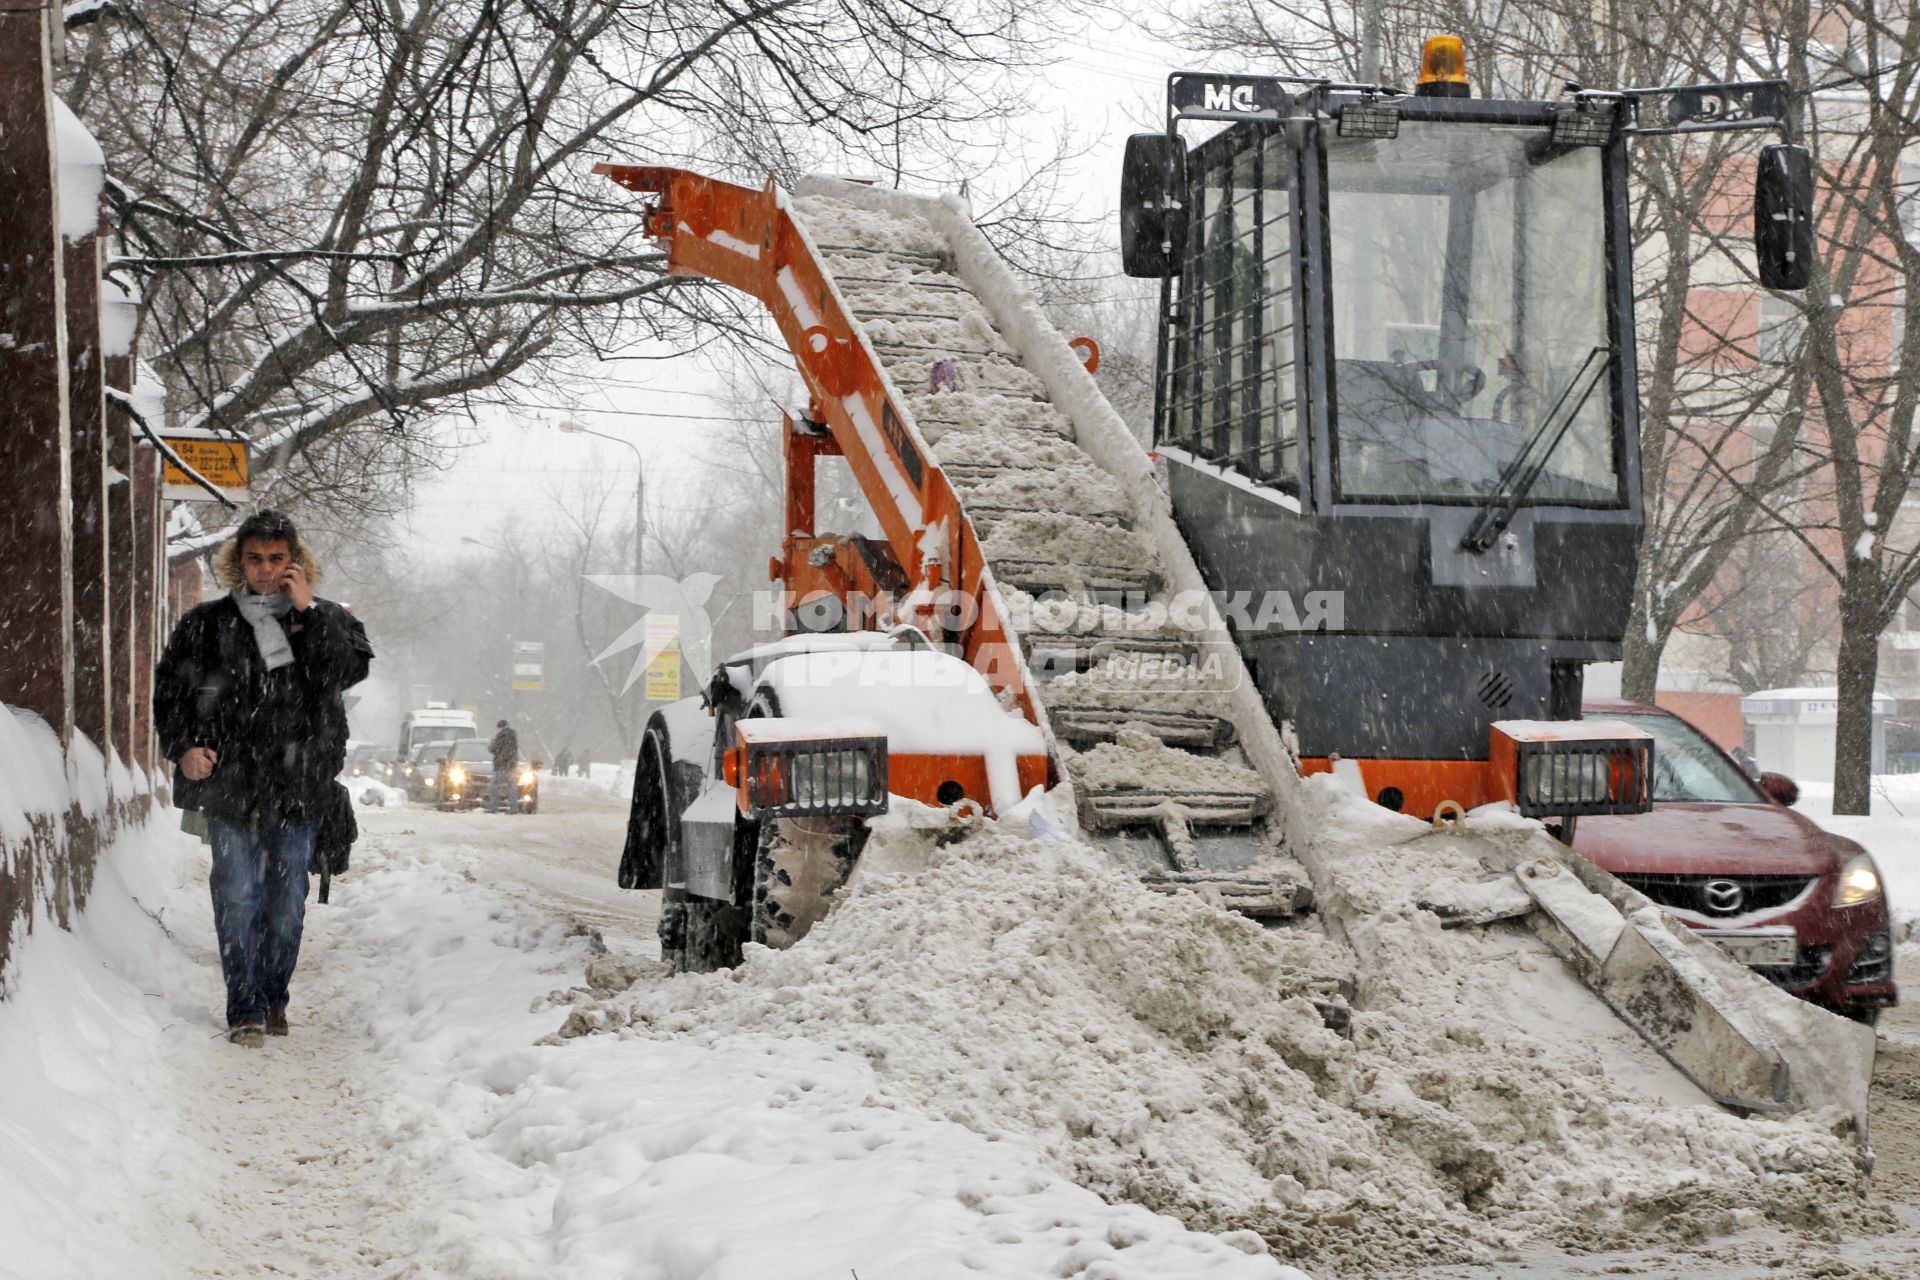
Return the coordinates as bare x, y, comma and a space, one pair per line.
276, 1022
248, 1035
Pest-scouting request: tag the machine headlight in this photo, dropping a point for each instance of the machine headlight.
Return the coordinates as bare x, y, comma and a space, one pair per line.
456, 775
792, 777
1565, 769
1859, 882
526, 777
830, 779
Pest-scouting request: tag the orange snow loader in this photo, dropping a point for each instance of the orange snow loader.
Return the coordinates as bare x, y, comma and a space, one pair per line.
1391, 509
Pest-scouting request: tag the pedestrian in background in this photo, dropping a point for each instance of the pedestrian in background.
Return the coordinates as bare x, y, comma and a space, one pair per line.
247, 704
506, 765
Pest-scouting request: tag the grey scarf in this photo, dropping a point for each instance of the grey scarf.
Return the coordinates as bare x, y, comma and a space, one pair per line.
263, 614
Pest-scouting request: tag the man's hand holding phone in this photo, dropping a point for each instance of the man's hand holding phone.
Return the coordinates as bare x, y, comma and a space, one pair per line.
294, 582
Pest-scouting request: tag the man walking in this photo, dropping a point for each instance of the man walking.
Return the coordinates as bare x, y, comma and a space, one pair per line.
247, 705
506, 766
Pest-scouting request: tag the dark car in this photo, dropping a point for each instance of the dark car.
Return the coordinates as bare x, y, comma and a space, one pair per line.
420, 772
465, 772
363, 761
464, 775
1724, 853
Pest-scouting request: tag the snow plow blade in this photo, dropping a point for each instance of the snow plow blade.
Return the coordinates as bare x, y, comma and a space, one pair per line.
1725, 1027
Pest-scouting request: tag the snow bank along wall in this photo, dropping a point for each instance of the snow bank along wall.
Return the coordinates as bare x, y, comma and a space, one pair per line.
80, 529
59, 806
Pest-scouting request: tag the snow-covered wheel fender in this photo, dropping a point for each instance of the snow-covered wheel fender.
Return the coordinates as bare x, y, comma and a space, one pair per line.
798, 871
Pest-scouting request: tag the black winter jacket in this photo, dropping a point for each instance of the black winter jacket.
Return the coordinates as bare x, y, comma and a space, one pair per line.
281, 736
506, 750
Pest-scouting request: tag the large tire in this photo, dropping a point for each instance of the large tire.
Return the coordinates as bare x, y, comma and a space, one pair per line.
798, 871
648, 819
698, 935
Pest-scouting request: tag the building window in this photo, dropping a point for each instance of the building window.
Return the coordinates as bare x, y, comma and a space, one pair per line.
1782, 325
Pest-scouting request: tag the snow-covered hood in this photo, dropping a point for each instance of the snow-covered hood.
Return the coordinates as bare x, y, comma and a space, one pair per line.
1699, 838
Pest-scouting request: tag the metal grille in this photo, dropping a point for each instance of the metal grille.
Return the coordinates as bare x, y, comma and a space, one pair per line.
822, 776
1496, 689
1690, 893
1572, 778
1230, 368
1875, 961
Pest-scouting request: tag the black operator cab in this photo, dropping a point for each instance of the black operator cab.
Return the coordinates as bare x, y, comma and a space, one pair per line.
1396, 387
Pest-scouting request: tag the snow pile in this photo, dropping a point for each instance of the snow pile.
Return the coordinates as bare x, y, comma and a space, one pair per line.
87, 777
1169, 1053
34, 782
373, 792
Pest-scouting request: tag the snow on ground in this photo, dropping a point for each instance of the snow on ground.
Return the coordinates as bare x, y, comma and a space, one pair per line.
372, 792
414, 1125
1169, 1053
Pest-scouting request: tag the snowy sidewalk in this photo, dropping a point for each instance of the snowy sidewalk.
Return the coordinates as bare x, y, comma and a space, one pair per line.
411, 1126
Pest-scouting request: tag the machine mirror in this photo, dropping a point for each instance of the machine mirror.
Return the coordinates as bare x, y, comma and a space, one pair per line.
1153, 219
1783, 217
1780, 788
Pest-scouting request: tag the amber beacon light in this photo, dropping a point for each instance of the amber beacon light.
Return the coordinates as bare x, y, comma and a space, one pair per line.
1443, 68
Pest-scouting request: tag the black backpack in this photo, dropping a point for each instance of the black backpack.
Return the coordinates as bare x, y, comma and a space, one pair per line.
333, 842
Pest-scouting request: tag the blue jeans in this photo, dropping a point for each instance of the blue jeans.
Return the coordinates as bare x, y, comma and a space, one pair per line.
259, 905
502, 792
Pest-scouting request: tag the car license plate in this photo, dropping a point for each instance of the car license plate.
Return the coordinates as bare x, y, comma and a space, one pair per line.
1756, 948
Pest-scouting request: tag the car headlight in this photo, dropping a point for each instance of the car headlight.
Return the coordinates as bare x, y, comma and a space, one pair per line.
526, 777
456, 774
1859, 882
409, 771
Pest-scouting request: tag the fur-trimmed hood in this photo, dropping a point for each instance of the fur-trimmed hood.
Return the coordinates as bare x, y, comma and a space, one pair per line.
229, 574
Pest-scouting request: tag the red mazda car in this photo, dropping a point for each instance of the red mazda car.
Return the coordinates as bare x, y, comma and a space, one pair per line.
1726, 855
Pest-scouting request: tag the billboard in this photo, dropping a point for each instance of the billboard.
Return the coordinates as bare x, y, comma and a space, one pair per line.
529, 665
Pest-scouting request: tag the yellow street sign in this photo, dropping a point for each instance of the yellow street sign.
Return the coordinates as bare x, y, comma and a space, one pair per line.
220, 459
663, 677
663, 672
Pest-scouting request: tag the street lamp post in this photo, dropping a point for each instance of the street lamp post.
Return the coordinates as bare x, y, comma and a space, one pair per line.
639, 485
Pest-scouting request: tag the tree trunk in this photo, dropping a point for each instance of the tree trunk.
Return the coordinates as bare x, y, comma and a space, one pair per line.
1859, 671
1640, 666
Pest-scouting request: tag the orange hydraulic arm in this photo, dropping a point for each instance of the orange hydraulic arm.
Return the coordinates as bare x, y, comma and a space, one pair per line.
748, 239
